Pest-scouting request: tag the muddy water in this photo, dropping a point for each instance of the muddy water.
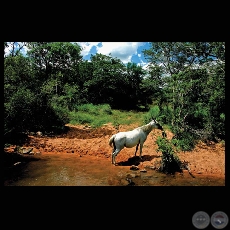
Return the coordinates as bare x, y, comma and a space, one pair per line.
67, 169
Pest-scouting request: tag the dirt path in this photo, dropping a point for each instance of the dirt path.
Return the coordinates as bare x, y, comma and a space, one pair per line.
82, 157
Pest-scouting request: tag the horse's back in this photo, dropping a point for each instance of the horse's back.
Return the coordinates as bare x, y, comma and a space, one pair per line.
130, 138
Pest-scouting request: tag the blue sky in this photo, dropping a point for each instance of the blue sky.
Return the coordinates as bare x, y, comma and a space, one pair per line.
125, 51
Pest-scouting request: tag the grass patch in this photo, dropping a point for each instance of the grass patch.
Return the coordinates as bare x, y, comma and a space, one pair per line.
97, 115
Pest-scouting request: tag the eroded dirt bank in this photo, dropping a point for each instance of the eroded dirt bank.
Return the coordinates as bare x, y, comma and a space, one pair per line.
82, 157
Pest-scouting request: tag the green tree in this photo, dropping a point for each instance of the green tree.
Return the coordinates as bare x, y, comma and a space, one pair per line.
57, 65
40, 86
106, 84
152, 85
134, 93
19, 96
85, 75
58, 60
188, 71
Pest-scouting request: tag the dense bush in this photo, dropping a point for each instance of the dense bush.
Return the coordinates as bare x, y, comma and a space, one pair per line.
170, 162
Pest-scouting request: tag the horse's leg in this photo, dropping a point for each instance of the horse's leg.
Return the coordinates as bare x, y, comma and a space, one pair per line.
137, 148
114, 154
141, 146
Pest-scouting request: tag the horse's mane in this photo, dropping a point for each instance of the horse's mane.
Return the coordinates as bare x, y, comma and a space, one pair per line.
146, 128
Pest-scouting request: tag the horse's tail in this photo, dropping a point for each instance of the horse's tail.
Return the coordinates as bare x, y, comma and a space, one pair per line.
111, 140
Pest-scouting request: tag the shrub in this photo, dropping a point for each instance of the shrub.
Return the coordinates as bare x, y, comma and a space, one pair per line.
88, 108
170, 162
106, 109
184, 140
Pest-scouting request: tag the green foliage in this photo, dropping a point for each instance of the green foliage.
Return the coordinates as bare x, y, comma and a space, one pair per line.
109, 81
97, 115
166, 114
185, 140
104, 84
18, 110
60, 107
106, 109
94, 115
163, 115
95, 109
153, 113
170, 162
52, 85
124, 117
32, 102
81, 118
192, 85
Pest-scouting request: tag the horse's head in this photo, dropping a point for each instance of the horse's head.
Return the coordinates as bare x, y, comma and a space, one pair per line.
156, 124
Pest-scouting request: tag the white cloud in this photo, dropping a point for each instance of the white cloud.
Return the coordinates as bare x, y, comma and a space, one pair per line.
87, 47
7, 51
120, 50
144, 65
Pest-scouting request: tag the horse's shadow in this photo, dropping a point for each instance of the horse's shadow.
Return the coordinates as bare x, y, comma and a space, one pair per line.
135, 160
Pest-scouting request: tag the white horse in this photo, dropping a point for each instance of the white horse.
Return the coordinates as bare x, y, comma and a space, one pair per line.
132, 138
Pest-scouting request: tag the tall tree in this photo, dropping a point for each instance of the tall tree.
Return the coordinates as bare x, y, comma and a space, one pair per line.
57, 65
107, 81
135, 75
55, 59
19, 93
39, 86
189, 69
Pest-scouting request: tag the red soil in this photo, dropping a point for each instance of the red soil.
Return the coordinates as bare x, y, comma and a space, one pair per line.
82, 156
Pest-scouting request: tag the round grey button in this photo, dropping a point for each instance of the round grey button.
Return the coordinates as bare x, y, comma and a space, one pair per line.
201, 220
219, 220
